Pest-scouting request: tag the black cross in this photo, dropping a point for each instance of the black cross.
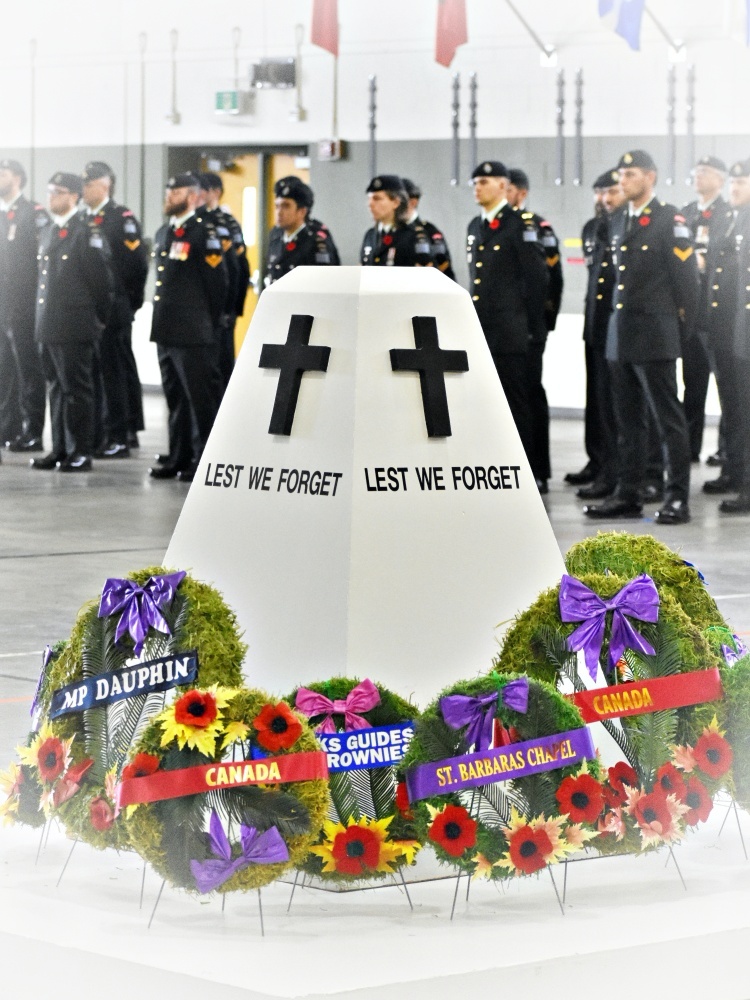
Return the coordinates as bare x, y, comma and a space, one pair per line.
431, 362
293, 359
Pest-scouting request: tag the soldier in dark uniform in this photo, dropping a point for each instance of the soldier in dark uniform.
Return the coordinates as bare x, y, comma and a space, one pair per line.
74, 295
392, 242
237, 264
441, 258
129, 263
518, 190
190, 296
655, 295
728, 269
297, 240
22, 224
508, 283
702, 216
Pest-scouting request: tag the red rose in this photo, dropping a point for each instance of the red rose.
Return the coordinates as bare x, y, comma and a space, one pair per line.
196, 708
582, 798
454, 830
277, 726
713, 755
101, 815
141, 765
528, 849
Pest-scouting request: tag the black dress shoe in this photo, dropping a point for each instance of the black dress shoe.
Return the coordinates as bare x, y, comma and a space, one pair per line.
718, 458
162, 459
23, 443
45, 462
673, 512
75, 463
613, 507
542, 485
186, 475
652, 493
166, 471
724, 484
739, 505
586, 475
133, 441
115, 451
596, 490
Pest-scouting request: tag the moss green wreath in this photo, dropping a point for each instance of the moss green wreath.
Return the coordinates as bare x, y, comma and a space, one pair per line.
199, 619
371, 797
170, 834
735, 719
503, 807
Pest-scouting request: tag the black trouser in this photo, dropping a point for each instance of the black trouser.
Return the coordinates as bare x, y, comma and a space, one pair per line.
190, 379
113, 361
134, 387
32, 396
10, 408
225, 335
539, 411
513, 377
734, 397
68, 369
696, 371
598, 374
593, 438
638, 389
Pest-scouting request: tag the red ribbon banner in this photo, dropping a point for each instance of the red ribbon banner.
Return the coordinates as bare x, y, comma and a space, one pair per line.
655, 695
224, 774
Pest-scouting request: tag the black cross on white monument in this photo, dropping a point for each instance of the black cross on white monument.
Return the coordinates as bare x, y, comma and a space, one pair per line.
293, 359
431, 362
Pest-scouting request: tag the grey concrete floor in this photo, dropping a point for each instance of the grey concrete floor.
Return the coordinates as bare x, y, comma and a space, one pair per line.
62, 535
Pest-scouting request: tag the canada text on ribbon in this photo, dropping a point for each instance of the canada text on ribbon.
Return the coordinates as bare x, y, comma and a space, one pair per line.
161, 785
655, 695
144, 678
517, 760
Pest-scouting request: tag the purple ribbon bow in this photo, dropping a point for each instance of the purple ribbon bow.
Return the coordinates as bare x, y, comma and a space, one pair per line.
257, 849
361, 698
139, 605
639, 599
478, 713
731, 656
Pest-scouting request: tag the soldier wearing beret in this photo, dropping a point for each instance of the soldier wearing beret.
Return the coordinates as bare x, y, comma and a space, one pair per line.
122, 415
189, 299
655, 296
728, 270
237, 264
703, 216
297, 240
392, 242
441, 258
518, 190
509, 277
22, 224
74, 297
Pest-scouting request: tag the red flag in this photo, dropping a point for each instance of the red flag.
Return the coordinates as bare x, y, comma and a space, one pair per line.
325, 25
451, 30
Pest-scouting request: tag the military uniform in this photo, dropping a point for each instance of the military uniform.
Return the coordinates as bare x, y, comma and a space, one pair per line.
404, 245
21, 228
74, 296
312, 245
655, 297
189, 300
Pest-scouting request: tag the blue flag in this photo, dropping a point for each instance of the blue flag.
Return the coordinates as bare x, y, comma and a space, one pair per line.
626, 16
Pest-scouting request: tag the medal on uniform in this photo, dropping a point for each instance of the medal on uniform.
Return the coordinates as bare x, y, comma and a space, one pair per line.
391, 259
701, 235
12, 231
179, 250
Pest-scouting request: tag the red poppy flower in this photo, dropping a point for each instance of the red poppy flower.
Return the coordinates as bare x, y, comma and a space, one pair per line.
528, 848
98, 219
76, 771
495, 224
402, 801
291, 245
356, 851
671, 782
142, 765
713, 755
278, 727
50, 759
11, 215
63, 233
651, 812
101, 815
504, 737
707, 213
196, 708
644, 220
582, 798
697, 797
620, 777
454, 830
388, 239
179, 231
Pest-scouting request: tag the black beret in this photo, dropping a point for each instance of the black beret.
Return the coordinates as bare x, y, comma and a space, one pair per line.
712, 161
296, 189
636, 158
211, 182
386, 182
519, 178
413, 190
740, 169
608, 179
72, 182
15, 168
186, 180
490, 168
96, 169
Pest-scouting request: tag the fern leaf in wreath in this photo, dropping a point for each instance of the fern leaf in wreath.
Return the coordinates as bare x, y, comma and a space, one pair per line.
260, 809
383, 789
439, 740
343, 797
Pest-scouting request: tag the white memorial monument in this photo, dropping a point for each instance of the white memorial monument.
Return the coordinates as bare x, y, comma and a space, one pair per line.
364, 502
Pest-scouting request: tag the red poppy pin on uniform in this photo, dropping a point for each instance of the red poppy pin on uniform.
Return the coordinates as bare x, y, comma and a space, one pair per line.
11, 215
63, 233
291, 245
495, 224
707, 214
388, 239
644, 220
179, 231
98, 220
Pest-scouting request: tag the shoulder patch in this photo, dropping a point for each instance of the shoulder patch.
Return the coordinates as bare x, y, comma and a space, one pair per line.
130, 227
212, 243
213, 259
529, 236
96, 241
549, 241
41, 220
681, 233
